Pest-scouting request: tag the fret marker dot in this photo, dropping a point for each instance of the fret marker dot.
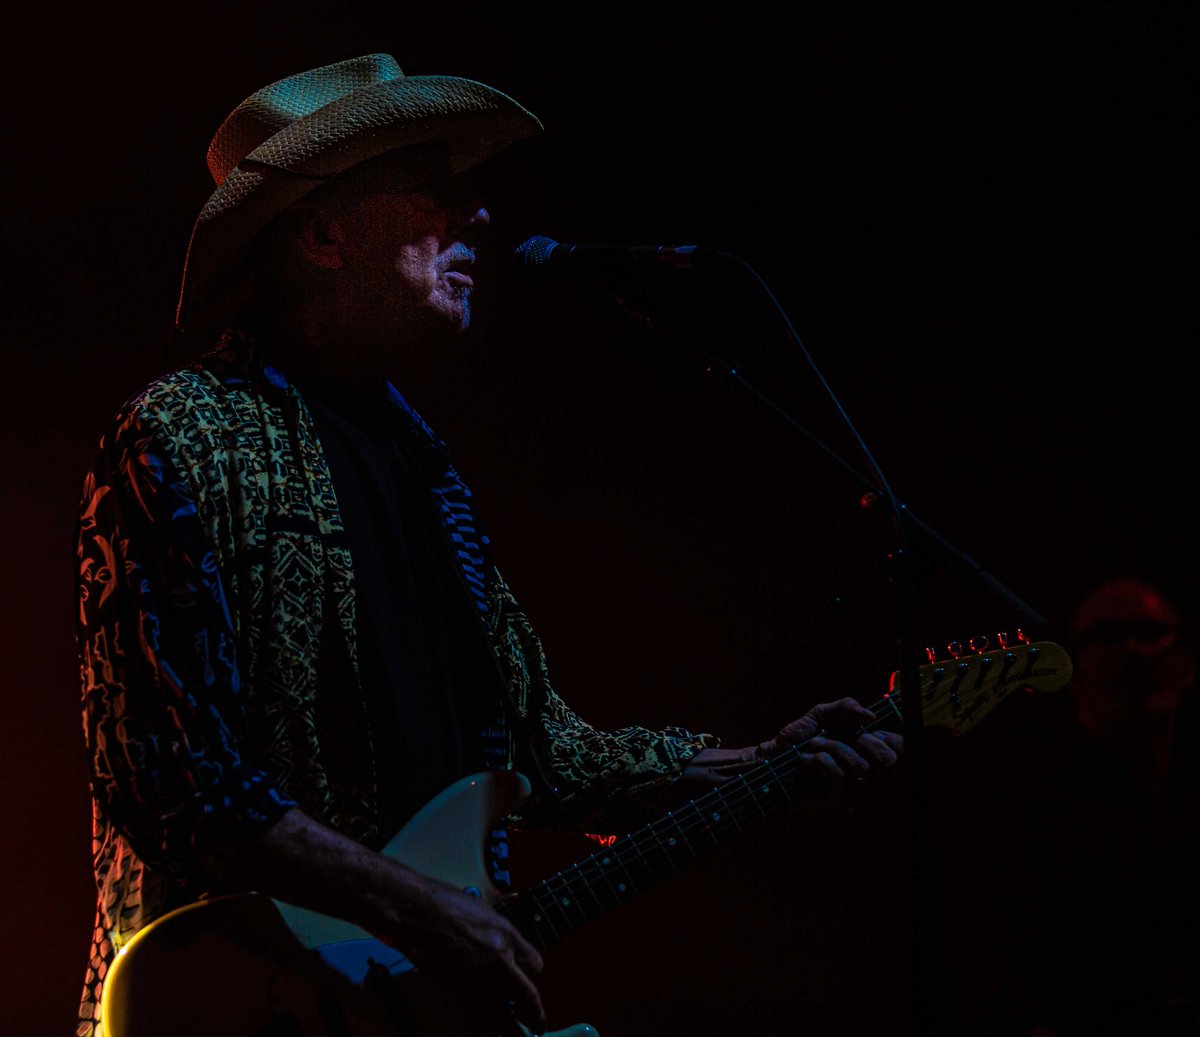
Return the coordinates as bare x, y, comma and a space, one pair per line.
605, 861
566, 901
537, 918
671, 841
766, 788
716, 817
621, 887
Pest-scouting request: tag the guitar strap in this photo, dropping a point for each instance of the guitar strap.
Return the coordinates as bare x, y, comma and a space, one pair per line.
471, 553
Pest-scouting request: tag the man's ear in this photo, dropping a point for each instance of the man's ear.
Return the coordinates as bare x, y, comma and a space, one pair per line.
319, 236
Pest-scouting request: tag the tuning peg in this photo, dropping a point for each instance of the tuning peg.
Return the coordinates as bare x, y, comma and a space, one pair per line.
979, 644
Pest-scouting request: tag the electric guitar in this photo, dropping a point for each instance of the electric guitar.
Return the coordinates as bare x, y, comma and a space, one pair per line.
250, 966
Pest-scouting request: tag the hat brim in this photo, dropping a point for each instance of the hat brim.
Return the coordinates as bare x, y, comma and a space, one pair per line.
473, 122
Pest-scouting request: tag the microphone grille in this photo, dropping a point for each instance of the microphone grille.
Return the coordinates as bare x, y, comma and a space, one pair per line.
533, 252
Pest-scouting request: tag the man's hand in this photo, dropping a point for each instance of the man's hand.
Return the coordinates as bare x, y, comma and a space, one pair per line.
839, 747
465, 946
460, 943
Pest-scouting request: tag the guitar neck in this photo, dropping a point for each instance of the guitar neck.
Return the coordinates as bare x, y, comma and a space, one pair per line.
556, 907
956, 695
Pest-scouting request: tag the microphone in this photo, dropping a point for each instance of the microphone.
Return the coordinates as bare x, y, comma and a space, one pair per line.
543, 261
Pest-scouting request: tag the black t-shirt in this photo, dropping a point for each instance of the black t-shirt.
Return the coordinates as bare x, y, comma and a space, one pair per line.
428, 683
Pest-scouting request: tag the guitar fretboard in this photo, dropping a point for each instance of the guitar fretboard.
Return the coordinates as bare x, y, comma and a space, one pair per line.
610, 877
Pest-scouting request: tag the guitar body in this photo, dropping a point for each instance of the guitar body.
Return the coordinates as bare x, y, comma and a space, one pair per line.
250, 966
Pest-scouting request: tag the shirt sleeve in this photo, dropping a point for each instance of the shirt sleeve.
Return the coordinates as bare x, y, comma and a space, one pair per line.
162, 694
613, 778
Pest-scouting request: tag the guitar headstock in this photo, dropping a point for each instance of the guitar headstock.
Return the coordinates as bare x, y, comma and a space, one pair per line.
959, 692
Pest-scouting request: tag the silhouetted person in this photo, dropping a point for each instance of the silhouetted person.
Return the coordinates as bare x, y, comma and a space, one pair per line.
1108, 940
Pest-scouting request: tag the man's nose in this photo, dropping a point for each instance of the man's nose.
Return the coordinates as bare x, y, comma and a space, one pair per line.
471, 221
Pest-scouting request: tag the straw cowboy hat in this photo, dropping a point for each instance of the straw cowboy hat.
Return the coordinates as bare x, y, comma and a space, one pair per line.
286, 139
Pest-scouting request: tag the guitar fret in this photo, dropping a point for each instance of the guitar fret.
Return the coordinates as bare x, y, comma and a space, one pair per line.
746, 789
657, 851
745, 801
536, 923
682, 834
540, 916
523, 911
547, 901
643, 861
620, 890
566, 901
623, 865
673, 843
582, 879
729, 814
704, 821
779, 782
712, 816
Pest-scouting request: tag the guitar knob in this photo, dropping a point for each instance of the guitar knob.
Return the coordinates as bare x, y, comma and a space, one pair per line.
979, 644
955, 648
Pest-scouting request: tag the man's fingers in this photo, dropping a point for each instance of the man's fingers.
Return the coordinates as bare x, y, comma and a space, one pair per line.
847, 759
526, 1003
844, 712
527, 957
521, 963
877, 747
824, 763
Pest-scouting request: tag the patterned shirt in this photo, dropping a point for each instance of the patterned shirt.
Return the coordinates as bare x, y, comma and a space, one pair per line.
218, 652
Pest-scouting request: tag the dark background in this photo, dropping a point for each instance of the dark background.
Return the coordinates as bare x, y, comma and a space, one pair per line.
980, 221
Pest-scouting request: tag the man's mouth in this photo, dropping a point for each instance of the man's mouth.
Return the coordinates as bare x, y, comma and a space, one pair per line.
459, 278
459, 261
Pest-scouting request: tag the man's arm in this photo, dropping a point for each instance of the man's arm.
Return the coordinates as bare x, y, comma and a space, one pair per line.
163, 699
452, 937
162, 690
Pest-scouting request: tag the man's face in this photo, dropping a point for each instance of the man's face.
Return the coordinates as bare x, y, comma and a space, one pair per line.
408, 261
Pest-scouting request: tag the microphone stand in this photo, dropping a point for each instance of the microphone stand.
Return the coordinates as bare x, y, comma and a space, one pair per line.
927, 961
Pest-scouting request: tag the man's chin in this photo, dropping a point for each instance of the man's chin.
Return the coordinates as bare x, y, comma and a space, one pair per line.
459, 299
442, 323
454, 316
